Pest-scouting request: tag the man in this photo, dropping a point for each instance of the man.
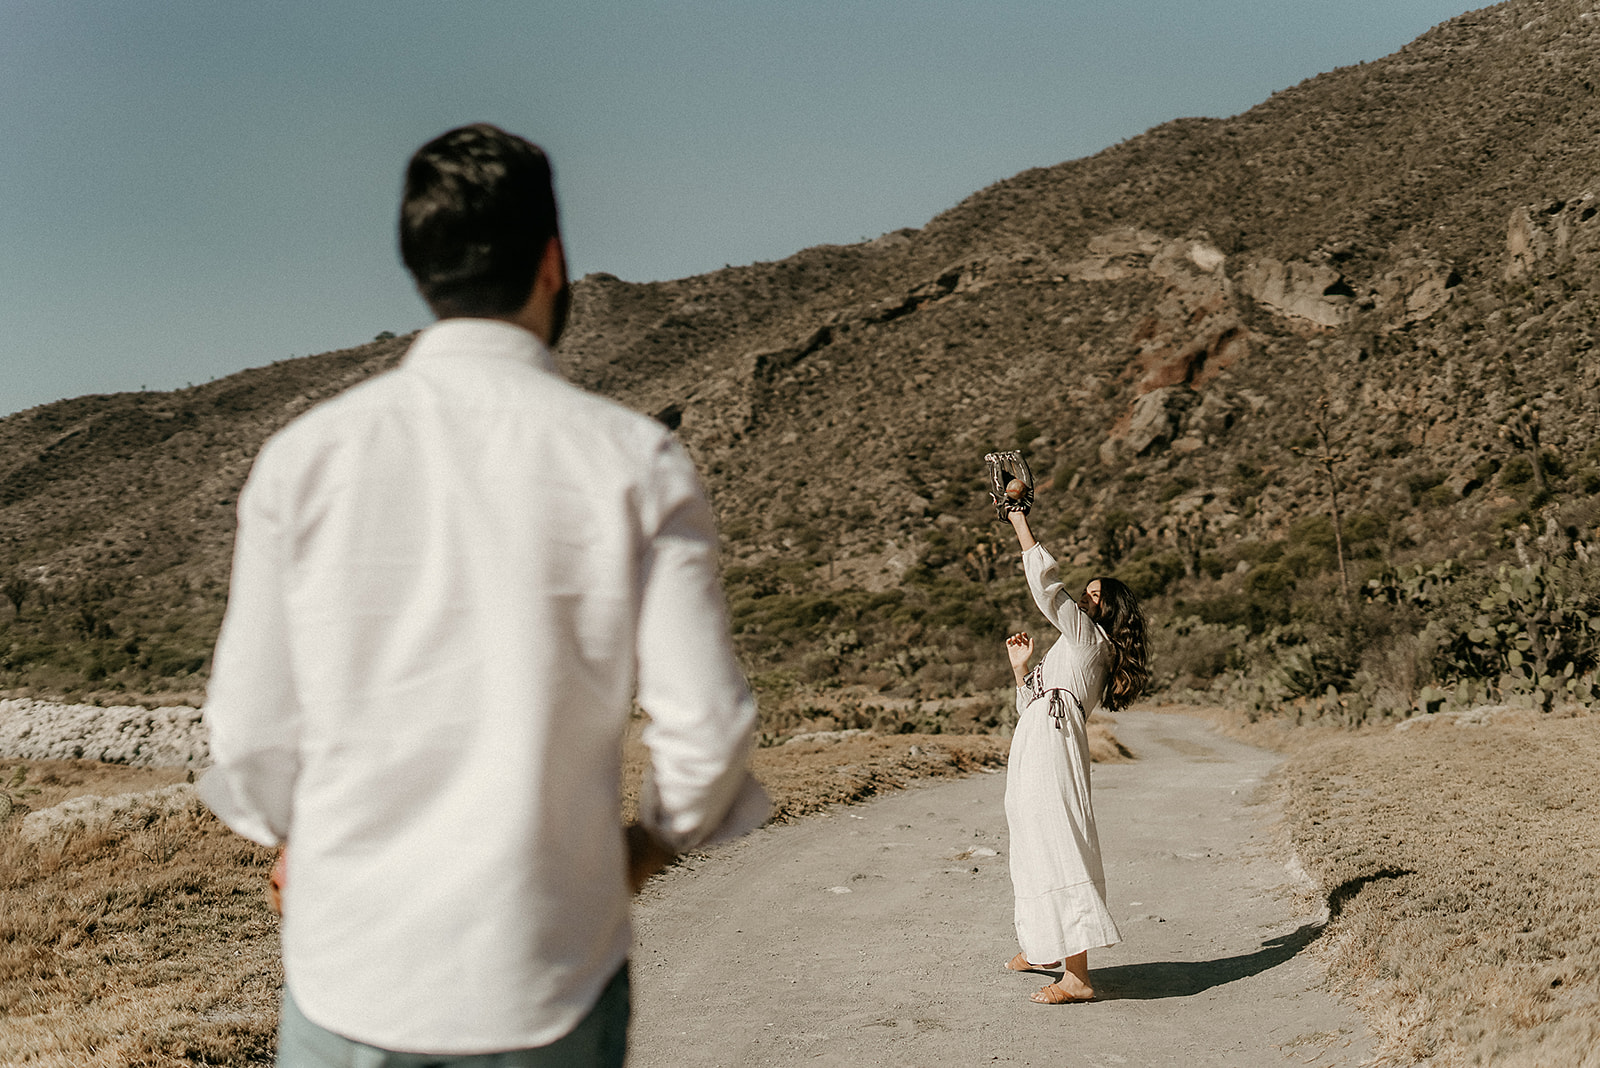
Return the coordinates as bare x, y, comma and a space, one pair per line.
449, 583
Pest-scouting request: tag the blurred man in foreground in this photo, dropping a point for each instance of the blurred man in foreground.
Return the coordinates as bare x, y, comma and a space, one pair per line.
449, 584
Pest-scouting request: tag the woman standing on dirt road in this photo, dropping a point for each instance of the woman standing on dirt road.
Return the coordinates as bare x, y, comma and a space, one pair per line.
1056, 873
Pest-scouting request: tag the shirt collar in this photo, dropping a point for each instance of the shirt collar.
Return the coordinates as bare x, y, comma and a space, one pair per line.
495, 338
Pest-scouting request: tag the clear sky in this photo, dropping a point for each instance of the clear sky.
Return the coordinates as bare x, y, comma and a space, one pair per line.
192, 187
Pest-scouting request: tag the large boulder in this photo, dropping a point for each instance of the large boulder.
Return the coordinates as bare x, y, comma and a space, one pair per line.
1542, 236
1154, 421
1314, 293
1413, 291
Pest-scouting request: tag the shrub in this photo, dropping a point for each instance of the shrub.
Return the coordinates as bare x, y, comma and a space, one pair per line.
1270, 580
1152, 575
1192, 652
1177, 487
1419, 484
1530, 632
1516, 471
1363, 527
1252, 613
1118, 531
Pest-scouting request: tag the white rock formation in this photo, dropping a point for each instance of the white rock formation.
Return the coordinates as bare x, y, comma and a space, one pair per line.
127, 734
120, 812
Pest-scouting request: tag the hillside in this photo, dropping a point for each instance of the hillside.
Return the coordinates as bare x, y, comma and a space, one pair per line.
1401, 254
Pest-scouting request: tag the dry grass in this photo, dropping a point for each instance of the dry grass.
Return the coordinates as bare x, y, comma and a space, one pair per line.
807, 776
145, 946
153, 946
1463, 864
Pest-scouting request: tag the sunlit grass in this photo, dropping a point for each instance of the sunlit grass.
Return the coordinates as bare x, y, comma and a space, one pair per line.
147, 945
1469, 857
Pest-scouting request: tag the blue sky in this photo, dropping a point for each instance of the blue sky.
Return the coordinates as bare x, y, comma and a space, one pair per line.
192, 187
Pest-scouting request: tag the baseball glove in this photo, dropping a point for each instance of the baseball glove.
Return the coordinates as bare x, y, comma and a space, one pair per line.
1010, 482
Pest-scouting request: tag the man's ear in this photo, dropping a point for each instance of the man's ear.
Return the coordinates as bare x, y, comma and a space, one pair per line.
539, 314
552, 273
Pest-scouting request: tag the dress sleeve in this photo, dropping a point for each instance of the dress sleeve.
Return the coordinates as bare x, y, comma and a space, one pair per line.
702, 714
1054, 599
251, 712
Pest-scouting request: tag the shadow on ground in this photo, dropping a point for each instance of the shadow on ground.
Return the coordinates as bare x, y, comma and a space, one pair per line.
1180, 979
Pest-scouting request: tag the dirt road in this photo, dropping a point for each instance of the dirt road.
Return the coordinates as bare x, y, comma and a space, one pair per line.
875, 934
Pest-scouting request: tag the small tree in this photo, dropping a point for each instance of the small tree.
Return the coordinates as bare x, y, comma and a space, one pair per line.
16, 590
1118, 532
1328, 457
1521, 431
1190, 530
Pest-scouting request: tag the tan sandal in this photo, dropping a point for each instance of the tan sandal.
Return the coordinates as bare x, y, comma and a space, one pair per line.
1019, 963
1052, 994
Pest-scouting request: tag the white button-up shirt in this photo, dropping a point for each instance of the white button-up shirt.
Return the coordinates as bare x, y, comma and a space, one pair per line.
449, 583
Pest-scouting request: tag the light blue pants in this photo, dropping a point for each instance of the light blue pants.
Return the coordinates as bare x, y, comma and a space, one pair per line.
599, 1041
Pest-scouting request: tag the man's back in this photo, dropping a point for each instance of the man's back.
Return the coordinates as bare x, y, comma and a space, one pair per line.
462, 564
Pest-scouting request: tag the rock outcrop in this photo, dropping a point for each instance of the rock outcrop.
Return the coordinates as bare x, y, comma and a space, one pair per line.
1544, 236
118, 813
126, 734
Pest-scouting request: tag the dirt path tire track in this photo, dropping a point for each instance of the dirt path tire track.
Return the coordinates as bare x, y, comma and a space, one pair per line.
757, 955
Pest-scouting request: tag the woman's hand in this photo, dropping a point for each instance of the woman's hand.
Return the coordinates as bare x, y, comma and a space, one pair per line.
1019, 650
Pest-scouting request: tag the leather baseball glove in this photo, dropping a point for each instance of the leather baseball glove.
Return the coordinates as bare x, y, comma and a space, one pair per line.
1010, 483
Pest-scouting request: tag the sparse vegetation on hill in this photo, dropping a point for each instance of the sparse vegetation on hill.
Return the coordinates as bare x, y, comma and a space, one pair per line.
1380, 288
1402, 254
116, 524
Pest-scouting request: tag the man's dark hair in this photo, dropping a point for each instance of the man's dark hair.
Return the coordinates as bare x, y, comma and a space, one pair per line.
477, 213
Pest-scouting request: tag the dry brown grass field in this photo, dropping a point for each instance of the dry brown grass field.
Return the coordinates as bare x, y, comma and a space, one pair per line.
1460, 861
144, 945
152, 945
1463, 861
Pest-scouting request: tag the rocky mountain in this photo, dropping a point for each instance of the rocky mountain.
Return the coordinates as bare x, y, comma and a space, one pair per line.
1375, 290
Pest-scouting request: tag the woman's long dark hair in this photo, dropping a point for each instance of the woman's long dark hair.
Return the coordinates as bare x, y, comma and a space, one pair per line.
1119, 616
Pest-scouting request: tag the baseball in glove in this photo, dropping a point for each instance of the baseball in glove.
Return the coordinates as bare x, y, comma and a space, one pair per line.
1010, 482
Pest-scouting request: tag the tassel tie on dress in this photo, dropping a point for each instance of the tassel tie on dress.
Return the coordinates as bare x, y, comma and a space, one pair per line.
1059, 696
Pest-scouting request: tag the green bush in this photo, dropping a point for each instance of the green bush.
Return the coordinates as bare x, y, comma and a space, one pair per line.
1517, 471
1530, 632
1117, 533
1420, 483
1151, 576
1193, 653
1177, 487
1253, 613
1270, 580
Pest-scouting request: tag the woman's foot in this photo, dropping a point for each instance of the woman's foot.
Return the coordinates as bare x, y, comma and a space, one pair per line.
1019, 963
1070, 988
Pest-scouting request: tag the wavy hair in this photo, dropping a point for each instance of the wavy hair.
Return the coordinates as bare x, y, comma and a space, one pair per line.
1119, 615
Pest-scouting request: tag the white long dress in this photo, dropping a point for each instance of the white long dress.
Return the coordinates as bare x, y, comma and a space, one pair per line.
1056, 871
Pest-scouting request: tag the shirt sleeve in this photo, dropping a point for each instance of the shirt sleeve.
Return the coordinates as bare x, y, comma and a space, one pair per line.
1054, 599
251, 712
702, 714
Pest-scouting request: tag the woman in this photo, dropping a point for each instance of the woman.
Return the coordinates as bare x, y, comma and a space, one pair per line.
1099, 661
